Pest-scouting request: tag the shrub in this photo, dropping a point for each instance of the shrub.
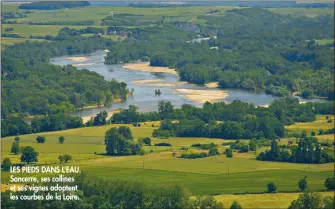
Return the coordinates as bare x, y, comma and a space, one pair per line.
40, 139
272, 188
64, 158
208, 146
146, 140
163, 144
196, 145
313, 133
194, 155
6, 164
302, 184
61, 140
15, 148
229, 153
330, 183
17, 139
164, 134
213, 151
235, 205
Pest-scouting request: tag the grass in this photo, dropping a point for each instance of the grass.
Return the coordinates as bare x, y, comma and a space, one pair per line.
97, 13
12, 7
8, 41
278, 200
325, 41
201, 176
36, 30
308, 12
320, 123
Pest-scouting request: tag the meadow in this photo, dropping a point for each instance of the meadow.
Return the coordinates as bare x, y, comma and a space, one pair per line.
308, 12
97, 13
212, 175
281, 200
26, 30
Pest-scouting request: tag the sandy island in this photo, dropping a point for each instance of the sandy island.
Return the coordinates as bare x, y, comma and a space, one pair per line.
212, 85
201, 96
77, 58
144, 66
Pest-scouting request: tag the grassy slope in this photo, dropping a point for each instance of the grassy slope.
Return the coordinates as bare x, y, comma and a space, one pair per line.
309, 12
36, 30
320, 123
96, 13
281, 200
201, 176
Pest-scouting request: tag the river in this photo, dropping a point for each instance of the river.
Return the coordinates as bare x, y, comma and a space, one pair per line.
144, 96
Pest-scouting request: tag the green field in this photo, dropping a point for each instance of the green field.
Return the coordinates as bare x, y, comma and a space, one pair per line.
97, 13
8, 41
320, 123
281, 200
308, 12
201, 176
37, 30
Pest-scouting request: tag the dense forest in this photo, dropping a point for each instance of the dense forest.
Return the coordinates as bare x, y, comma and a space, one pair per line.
33, 86
240, 119
252, 49
51, 5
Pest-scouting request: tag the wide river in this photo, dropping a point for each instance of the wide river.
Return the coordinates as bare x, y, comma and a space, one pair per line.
144, 96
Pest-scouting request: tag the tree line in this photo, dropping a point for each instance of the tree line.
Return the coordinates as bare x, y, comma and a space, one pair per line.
238, 119
52, 5
307, 151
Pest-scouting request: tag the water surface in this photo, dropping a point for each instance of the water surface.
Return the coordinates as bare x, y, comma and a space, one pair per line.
144, 96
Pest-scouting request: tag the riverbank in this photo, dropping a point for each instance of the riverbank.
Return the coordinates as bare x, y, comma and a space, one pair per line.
145, 66
109, 115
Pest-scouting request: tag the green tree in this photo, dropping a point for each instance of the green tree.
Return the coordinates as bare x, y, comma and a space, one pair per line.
272, 188
61, 139
40, 139
126, 132
61, 159
29, 155
213, 151
229, 153
328, 203
307, 201
235, 205
117, 142
302, 184
330, 183
15, 148
17, 139
146, 140
207, 202
64, 158
6, 164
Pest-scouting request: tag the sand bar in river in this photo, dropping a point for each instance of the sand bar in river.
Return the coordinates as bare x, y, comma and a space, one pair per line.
144, 66
79, 59
201, 96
